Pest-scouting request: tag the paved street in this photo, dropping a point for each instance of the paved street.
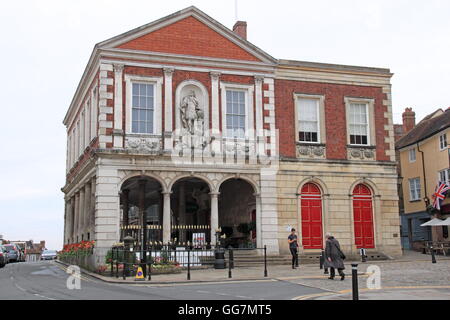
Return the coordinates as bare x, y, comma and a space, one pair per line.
411, 277
47, 280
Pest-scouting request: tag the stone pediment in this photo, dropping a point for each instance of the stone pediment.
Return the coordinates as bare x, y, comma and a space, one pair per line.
189, 32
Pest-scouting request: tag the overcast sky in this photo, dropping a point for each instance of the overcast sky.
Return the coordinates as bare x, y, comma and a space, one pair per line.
45, 46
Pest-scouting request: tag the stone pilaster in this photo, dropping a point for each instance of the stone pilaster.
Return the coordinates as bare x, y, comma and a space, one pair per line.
105, 124
215, 118
118, 106
168, 107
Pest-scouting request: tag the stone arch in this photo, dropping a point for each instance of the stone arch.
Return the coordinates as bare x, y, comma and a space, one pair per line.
247, 179
367, 182
139, 174
198, 176
319, 182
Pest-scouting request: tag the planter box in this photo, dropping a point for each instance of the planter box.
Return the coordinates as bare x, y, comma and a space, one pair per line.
166, 270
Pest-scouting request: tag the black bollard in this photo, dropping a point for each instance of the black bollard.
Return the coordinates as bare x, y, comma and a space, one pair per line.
265, 261
355, 293
230, 254
189, 265
433, 257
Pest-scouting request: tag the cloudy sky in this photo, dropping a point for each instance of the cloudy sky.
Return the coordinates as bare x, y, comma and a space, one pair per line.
45, 46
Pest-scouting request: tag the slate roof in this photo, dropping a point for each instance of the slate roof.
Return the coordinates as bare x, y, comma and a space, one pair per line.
426, 128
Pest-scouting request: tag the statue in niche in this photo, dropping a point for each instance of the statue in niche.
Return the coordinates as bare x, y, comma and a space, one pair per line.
191, 113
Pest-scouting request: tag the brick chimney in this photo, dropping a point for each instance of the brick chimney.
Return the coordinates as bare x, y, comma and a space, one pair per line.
240, 28
409, 120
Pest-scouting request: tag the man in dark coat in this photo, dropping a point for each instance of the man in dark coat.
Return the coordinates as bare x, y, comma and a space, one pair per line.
293, 245
333, 257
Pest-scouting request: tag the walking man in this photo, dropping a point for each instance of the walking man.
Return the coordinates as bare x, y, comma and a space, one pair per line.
293, 245
334, 257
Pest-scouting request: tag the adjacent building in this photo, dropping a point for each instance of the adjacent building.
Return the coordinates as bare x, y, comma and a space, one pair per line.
182, 126
424, 162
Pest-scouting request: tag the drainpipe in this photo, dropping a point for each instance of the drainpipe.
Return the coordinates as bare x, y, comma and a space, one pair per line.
426, 199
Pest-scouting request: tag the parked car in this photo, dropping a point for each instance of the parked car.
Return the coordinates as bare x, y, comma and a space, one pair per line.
3, 256
49, 255
14, 253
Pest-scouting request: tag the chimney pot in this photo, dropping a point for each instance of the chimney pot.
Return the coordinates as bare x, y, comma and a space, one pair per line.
240, 28
409, 120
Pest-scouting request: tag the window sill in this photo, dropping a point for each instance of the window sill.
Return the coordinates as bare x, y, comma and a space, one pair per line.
418, 200
302, 143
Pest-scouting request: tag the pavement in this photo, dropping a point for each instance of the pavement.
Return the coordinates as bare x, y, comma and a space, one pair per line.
411, 277
47, 280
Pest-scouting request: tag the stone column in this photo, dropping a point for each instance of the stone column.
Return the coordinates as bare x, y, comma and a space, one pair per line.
66, 220
87, 207
214, 215
118, 106
81, 210
125, 207
215, 118
258, 220
168, 106
72, 219
77, 217
92, 215
166, 217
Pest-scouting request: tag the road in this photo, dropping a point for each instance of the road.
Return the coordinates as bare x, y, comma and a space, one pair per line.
46, 280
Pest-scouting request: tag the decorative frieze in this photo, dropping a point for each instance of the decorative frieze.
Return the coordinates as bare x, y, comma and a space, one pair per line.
143, 144
311, 151
361, 153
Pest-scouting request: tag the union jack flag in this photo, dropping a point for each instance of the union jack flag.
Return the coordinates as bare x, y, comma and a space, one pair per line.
439, 194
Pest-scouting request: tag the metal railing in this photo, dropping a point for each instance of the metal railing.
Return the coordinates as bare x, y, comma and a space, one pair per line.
125, 261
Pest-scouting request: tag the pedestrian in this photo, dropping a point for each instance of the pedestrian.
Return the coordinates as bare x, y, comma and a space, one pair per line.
293, 245
334, 257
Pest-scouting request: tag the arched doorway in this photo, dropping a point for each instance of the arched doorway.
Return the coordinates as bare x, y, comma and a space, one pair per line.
190, 204
363, 217
311, 213
237, 213
141, 205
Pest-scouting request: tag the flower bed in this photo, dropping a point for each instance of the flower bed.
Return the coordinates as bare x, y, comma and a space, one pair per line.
79, 254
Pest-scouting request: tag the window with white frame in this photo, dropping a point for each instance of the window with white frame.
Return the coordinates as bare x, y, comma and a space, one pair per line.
235, 114
414, 189
143, 108
412, 155
444, 176
443, 141
358, 123
308, 120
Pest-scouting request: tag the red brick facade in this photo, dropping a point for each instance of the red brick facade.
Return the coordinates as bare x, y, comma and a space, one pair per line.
190, 37
335, 115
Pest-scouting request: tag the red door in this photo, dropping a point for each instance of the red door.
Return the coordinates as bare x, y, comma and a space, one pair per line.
311, 211
363, 217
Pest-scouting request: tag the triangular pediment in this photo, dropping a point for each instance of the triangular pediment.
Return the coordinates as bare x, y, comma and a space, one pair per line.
189, 32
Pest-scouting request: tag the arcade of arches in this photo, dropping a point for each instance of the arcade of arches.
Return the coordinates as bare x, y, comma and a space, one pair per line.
189, 212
